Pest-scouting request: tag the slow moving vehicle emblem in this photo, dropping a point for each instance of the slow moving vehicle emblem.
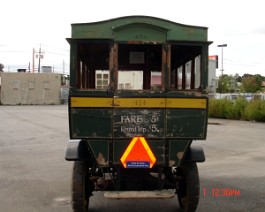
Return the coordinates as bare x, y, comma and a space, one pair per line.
138, 154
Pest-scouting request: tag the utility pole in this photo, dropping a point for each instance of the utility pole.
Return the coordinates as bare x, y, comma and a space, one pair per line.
39, 59
38, 55
33, 60
222, 67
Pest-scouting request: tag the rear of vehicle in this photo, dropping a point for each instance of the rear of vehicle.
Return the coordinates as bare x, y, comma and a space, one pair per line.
136, 103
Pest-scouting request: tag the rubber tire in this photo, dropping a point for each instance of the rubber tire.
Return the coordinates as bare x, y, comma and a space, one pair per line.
80, 197
189, 187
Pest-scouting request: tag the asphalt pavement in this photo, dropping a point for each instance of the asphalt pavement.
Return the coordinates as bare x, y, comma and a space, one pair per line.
35, 177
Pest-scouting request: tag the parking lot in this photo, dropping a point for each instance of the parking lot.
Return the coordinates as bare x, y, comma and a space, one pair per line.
35, 177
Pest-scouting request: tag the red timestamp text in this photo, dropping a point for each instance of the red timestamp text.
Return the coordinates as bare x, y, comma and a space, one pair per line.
221, 192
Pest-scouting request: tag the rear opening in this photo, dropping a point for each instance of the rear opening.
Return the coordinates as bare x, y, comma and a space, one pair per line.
92, 66
185, 67
138, 67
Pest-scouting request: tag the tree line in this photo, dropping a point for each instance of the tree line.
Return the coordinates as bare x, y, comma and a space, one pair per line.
246, 84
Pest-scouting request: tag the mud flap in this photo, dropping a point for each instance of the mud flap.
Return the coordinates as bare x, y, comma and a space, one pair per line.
77, 151
195, 153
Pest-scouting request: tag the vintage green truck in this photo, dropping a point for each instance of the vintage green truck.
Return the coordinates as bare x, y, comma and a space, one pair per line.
137, 100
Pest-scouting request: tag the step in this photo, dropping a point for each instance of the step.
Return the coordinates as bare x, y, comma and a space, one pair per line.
163, 194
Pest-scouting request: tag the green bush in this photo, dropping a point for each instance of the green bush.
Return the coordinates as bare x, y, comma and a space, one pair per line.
218, 108
255, 111
237, 109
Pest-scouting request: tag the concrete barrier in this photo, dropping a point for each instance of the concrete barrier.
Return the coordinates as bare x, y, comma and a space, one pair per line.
30, 88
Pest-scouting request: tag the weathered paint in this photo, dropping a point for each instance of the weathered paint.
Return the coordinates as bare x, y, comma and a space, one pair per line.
138, 122
92, 123
100, 151
122, 27
108, 119
186, 123
139, 102
101, 160
143, 32
177, 148
200, 103
91, 102
180, 155
186, 103
149, 117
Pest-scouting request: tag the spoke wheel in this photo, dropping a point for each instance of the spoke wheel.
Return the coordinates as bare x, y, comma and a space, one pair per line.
81, 190
188, 188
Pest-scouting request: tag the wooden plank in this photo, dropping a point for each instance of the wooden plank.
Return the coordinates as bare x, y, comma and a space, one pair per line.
163, 194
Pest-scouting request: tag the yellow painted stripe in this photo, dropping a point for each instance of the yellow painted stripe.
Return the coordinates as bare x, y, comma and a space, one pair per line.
91, 102
138, 102
186, 103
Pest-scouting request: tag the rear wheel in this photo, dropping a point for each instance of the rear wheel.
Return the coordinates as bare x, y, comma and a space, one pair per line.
188, 188
81, 190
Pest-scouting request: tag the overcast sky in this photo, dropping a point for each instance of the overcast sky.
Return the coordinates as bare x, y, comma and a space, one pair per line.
25, 24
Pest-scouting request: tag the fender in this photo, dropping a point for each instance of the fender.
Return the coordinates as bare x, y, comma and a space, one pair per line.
77, 151
195, 153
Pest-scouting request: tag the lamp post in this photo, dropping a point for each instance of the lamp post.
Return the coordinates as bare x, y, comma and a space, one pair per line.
222, 66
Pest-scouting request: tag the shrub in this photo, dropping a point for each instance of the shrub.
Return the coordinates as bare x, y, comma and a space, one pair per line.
255, 111
232, 109
212, 109
219, 108
238, 109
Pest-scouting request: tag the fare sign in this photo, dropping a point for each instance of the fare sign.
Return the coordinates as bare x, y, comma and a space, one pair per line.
138, 154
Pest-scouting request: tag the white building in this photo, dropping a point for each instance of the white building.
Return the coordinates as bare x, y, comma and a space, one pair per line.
212, 79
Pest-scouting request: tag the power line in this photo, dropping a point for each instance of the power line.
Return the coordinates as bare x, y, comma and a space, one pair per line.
56, 53
238, 62
57, 48
13, 51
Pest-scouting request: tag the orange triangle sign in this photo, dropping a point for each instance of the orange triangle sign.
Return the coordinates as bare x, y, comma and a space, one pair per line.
138, 154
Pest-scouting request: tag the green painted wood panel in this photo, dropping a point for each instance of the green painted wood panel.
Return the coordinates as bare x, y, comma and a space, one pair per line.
186, 123
90, 123
106, 29
100, 150
177, 149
